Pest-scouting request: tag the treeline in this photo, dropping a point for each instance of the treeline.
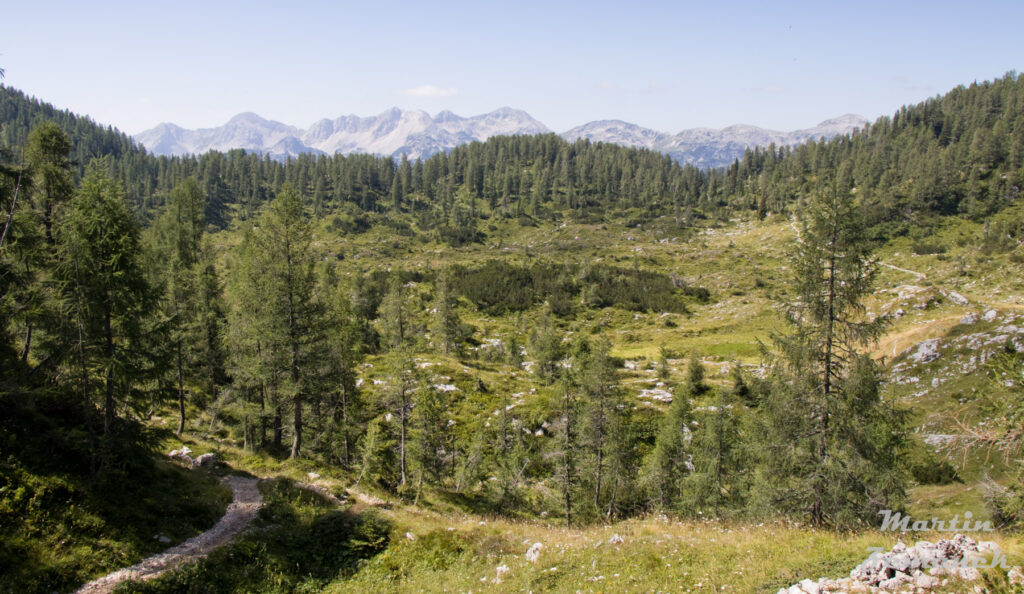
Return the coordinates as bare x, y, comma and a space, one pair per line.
958, 153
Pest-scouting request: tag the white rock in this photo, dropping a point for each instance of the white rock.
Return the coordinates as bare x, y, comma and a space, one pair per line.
968, 574
926, 582
534, 552
957, 298
616, 539
312, 476
990, 315
1016, 576
926, 351
970, 318
410, 536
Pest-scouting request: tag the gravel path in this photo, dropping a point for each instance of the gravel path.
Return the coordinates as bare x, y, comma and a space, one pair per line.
244, 505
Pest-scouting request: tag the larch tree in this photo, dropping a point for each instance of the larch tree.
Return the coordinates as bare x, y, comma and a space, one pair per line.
292, 320
105, 290
834, 440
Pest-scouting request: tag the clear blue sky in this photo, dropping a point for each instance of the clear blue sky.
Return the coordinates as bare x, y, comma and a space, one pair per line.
665, 65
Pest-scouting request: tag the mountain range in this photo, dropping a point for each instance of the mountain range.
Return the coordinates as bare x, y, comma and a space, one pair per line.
418, 135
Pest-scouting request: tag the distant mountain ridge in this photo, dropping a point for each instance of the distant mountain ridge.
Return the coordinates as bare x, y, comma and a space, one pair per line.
707, 147
418, 135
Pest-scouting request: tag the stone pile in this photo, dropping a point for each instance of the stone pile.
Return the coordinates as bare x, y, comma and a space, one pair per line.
918, 568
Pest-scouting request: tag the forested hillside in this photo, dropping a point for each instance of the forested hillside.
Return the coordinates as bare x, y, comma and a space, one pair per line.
958, 153
524, 327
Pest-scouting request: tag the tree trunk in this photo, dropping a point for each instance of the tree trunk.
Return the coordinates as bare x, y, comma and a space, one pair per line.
109, 412
28, 343
278, 429
346, 460
181, 393
567, 458
401, 439
297, 437
817, 511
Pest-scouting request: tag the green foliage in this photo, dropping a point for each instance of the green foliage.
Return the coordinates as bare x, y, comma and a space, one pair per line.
667, 465
716, 483
61, 525
834, 447
107, 297
498, 287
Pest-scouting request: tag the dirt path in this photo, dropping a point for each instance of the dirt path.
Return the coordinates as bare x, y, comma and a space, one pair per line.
244, 505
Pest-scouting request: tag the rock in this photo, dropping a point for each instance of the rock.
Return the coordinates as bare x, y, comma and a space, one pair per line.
970, 318
616, 539
990, 315
182, 455
957, 298
1016, 576
500, 572
205, 460
968, 574
927, 351
810, 587
312, 476
162, 539
410, 536
900, 561
534, 552
926, 582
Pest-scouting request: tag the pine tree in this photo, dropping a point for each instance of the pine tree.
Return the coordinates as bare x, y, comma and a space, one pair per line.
601, 419
179, 239
823, 409
48, 155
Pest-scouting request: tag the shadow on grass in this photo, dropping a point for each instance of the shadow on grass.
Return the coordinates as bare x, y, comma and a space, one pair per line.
299, 542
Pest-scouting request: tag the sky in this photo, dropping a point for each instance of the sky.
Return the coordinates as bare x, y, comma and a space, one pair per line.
667, 65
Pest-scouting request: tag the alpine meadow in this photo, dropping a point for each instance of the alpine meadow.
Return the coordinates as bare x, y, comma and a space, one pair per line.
516, 364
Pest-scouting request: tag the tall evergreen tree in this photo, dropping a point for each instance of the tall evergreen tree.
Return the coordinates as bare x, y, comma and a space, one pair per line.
290, 322
107, 294
824, 410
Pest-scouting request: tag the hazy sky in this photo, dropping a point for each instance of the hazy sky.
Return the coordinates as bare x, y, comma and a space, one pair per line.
665, 65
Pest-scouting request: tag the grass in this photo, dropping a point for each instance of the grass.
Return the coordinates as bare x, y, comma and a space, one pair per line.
301, 545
